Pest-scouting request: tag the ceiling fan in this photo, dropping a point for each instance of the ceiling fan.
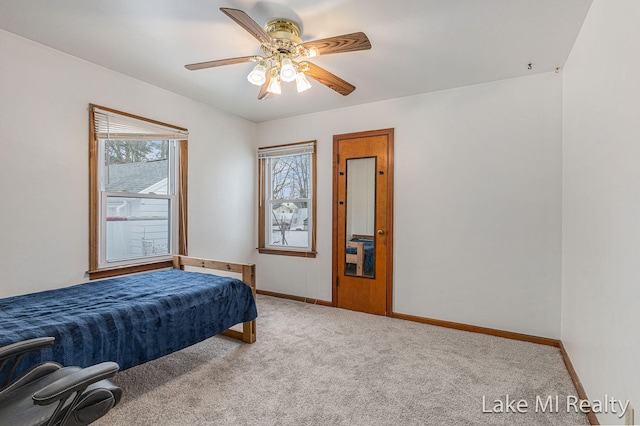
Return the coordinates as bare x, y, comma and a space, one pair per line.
284, 55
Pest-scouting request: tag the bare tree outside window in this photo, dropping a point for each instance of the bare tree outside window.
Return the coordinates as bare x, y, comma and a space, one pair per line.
290, 177
121, 151
290, 191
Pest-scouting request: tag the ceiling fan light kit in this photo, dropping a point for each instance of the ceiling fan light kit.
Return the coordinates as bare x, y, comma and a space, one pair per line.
287, 70
282, 49
274, 86
259, 74
302, 83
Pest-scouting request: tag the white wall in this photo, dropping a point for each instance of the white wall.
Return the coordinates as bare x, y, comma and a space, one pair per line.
44, 95
477, 203
601, 208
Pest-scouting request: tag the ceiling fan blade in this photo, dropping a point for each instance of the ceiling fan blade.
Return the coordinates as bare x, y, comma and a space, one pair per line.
247, 23
219, 62
330, 80
339, 44
263, 90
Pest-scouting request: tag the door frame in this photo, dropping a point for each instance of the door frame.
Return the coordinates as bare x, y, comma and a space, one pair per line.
389, 133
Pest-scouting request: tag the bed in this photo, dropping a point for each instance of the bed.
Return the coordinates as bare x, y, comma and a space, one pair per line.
134, 319
361, 252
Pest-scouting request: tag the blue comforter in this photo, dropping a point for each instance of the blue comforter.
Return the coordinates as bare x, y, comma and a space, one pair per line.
129, 320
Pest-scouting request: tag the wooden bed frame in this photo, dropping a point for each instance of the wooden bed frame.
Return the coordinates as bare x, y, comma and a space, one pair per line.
248, 271
358, 258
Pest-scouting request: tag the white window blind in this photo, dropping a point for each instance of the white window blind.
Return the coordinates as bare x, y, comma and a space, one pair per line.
283, 151
110, 125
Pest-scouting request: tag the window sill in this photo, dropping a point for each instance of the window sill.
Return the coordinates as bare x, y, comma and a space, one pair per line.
130, 269
294, 253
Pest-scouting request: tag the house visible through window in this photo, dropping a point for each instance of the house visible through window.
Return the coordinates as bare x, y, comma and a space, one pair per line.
287, 199
138, 179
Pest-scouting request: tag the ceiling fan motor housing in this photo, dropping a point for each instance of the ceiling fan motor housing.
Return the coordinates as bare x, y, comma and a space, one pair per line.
285, 39
283, 29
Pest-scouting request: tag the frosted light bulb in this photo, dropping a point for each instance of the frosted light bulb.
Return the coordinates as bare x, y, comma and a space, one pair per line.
258, 75
287, 71
302, 83
274, 86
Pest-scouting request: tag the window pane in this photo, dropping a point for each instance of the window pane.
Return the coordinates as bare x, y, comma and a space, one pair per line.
137, 227
289, 224
136, 166
290, 177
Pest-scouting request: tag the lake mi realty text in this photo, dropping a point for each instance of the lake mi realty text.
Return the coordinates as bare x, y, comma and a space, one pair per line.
555, 404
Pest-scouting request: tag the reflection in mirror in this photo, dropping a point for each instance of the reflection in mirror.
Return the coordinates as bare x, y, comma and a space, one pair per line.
360, 214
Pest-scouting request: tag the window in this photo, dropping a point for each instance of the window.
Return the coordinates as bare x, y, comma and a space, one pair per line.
287, 203
138, 193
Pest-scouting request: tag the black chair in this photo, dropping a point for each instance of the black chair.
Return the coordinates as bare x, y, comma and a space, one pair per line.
41, 395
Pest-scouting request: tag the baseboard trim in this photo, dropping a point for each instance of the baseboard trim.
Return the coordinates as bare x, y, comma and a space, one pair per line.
593, 419
296, 298
481, 330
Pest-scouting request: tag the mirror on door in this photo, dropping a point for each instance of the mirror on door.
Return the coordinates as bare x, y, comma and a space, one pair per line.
360, 215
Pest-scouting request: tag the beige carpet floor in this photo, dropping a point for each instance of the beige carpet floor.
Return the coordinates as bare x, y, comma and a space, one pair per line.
315, 365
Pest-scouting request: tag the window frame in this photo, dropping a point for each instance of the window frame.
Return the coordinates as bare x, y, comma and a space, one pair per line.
97, 219
264, 202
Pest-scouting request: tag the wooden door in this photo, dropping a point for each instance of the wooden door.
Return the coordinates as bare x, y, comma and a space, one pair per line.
363, 221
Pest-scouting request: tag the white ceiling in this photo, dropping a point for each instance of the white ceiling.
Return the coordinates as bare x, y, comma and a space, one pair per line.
418, 46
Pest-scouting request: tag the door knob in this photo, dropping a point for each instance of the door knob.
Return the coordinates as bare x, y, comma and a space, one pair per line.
380, 231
